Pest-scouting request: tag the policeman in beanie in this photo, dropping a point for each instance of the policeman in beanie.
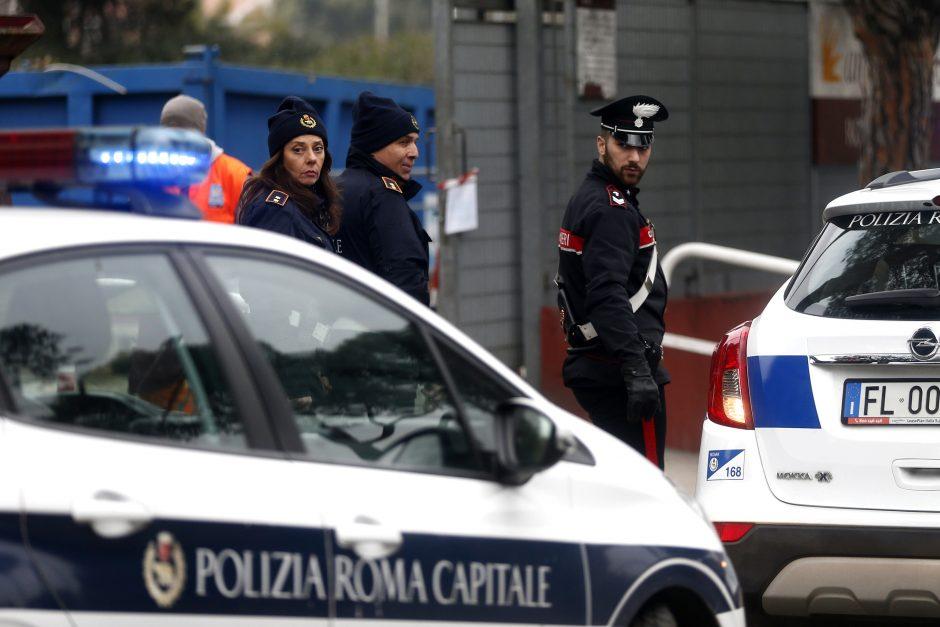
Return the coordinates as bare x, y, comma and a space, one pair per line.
294, 194
380, 232
612, 292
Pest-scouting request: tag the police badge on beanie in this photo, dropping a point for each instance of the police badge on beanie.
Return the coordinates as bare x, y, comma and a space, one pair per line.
377, 122
295, 117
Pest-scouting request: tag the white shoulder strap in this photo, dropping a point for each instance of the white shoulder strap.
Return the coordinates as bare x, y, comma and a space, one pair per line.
637, 300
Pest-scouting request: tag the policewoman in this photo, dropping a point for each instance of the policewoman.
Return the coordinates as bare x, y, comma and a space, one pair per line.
294, 194
612, 292
380, 232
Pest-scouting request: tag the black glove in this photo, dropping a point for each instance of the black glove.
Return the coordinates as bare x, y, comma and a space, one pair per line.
642, 391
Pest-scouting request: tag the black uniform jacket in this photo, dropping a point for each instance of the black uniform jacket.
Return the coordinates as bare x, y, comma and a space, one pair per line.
604, 246
379, 230
274, 210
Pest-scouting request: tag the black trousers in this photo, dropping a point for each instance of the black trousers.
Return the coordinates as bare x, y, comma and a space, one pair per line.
607, 408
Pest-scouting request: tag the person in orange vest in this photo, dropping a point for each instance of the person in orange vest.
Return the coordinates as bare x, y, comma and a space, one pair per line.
217, 195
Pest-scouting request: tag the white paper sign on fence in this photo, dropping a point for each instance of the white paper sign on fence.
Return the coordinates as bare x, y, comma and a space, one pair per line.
461, 204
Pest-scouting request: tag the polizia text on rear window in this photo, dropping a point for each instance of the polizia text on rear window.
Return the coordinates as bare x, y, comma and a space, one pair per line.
873, 266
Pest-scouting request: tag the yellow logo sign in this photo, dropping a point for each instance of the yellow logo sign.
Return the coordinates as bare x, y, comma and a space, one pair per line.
414, 122
307, 120
164, 569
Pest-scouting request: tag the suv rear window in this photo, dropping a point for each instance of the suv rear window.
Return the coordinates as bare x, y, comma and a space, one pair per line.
872, 266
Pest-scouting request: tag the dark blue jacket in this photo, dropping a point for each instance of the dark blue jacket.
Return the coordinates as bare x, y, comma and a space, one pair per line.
273, 210
605, 246
379, 230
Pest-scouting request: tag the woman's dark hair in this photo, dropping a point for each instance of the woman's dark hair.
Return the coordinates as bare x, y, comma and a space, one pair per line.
273, 175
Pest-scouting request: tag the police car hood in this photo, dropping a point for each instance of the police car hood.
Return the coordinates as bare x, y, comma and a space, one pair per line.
637, 503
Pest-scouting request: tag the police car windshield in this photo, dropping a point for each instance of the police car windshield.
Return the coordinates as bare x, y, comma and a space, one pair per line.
872, 266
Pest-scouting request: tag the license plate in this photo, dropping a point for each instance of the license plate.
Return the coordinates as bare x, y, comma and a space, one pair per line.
891, 402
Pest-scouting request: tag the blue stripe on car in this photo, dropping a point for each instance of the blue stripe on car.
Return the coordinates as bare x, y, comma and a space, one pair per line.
781, 394
530, 581
614, 568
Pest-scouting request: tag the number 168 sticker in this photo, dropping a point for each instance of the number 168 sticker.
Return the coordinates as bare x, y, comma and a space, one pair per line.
725, 465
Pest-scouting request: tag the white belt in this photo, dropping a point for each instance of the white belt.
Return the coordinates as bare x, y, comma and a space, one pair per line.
636, 301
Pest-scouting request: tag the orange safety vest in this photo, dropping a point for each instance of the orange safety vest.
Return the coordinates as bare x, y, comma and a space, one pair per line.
217, 195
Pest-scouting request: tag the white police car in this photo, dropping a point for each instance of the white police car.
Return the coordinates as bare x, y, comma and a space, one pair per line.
820, 458
204, 425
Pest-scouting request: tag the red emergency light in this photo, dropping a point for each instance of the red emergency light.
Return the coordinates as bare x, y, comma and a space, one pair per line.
103, 155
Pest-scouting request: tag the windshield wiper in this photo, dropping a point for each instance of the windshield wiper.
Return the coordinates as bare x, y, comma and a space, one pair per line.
917, 297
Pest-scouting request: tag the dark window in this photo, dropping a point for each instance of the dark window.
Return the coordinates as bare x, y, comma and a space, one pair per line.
112, 343
873, 267
359, 376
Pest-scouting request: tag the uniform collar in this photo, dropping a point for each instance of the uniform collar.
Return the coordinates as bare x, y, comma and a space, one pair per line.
601, 171
360, 160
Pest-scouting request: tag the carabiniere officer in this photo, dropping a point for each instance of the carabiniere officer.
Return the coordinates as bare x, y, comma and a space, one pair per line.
612, 292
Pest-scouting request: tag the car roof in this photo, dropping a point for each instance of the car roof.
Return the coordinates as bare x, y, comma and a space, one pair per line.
893, 192
27, 231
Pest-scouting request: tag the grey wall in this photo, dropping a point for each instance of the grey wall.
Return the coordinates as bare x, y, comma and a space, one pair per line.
731, 166
481, 294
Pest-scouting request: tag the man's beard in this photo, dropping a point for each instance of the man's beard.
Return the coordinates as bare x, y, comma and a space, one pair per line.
628, 178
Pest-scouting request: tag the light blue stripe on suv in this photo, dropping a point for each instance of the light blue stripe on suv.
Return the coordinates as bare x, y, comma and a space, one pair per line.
781, 394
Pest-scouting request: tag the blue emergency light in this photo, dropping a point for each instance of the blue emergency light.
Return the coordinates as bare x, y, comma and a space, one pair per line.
94, 156
138, 169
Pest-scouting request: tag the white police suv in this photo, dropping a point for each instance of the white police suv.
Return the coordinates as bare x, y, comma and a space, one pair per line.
204, 424
820, 457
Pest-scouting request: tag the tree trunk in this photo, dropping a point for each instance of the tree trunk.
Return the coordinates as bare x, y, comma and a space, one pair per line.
899, 39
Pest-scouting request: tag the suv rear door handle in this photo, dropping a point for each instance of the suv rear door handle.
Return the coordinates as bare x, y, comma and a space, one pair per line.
917, 474
368, 538
110, 514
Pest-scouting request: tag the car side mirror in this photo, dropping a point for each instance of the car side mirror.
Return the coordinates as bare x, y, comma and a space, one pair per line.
527, 441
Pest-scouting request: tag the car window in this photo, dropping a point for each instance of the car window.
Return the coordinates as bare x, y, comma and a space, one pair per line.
112, 343
481, 393
361, 381
864, 254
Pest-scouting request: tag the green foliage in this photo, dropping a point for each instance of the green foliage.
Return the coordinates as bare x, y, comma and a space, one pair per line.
92, 32
336, 37
319, 36
406, 57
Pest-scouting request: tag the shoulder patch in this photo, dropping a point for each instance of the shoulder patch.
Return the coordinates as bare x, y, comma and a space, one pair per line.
616, 196
391, 184
277, 197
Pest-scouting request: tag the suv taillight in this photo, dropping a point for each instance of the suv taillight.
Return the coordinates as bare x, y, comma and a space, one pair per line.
729, 403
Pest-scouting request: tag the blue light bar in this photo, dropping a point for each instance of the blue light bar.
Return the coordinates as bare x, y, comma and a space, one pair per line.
137, 169
147, 155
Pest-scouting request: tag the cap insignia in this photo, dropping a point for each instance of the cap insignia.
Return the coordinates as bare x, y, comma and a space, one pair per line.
414, 122
643, 110
392, 184
307, 120
277, 197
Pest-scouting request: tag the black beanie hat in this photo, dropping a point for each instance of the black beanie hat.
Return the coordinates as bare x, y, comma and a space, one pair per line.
295, 116
377, 122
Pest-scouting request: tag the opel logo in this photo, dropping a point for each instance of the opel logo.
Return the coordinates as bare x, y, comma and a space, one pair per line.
923, 344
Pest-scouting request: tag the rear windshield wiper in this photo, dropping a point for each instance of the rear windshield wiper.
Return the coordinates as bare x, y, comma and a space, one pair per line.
917, 297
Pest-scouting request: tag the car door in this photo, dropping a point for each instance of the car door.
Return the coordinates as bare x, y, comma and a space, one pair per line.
144, 464
395, 424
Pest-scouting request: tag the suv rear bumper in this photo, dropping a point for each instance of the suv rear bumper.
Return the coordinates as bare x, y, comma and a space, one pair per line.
802, 570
